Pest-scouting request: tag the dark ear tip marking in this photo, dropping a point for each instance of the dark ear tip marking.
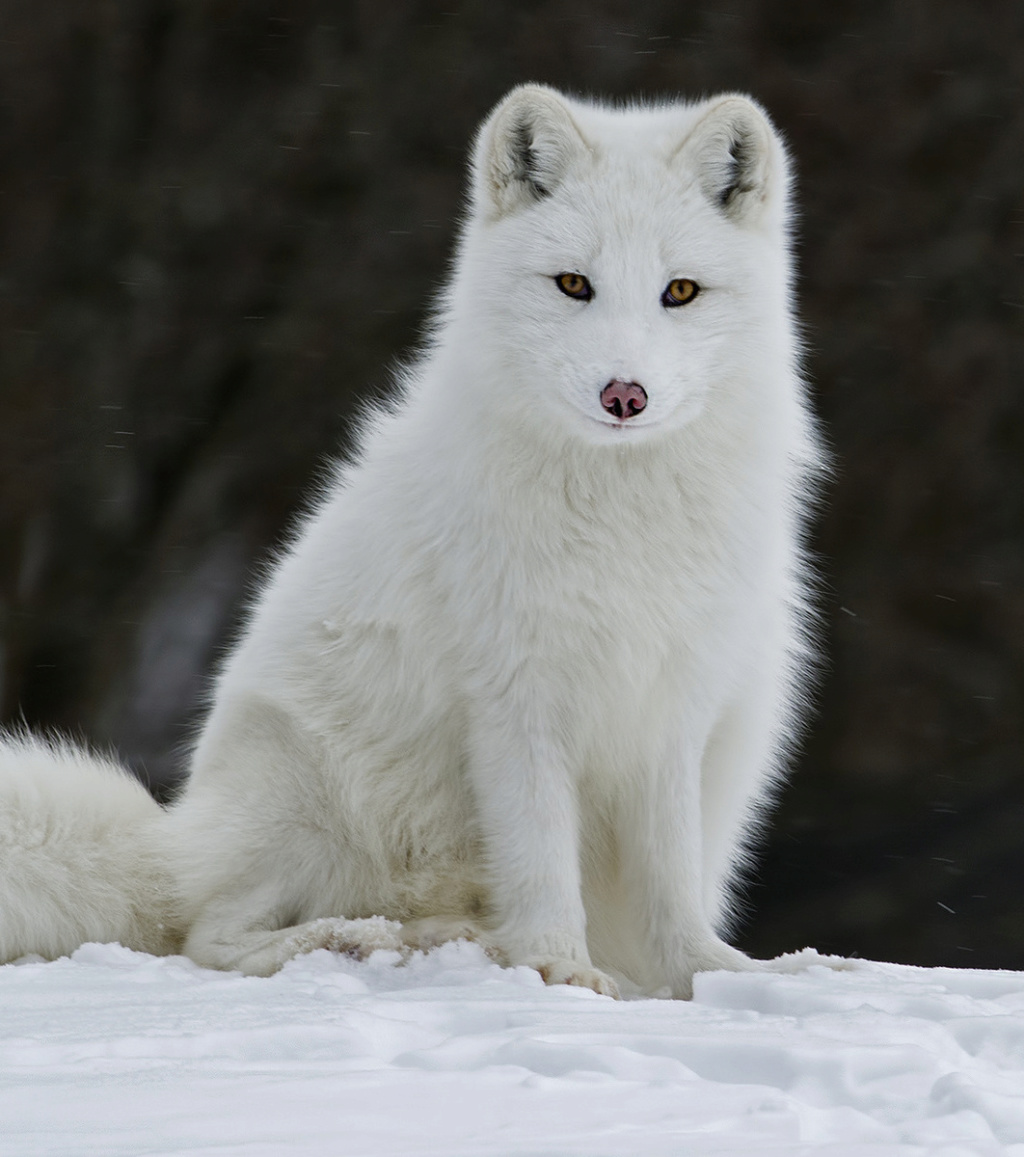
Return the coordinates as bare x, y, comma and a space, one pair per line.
741, 161
526, 159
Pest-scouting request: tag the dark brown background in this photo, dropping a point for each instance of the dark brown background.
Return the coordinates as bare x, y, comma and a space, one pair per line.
222, 221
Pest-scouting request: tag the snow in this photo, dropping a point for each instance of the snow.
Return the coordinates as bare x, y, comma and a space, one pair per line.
112, 1053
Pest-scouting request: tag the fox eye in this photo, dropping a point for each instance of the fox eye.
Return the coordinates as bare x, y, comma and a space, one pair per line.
680, 291
575, 285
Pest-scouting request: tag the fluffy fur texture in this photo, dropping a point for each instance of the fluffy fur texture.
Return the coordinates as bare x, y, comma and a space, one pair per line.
83, 855
529, 671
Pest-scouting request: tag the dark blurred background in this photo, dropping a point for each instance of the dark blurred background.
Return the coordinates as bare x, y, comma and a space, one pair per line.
221, 222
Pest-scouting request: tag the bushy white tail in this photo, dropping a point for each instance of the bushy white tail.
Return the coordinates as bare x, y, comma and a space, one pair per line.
82, 854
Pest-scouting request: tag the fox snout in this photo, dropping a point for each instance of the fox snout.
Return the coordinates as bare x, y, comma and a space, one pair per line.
623, 399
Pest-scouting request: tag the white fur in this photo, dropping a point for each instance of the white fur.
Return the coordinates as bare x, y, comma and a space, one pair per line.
82, 855
528, 671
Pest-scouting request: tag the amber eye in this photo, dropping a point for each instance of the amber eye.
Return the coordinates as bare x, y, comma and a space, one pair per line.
680, 291
575, 285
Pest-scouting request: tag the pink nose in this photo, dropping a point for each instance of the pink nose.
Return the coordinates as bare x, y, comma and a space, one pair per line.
623, 399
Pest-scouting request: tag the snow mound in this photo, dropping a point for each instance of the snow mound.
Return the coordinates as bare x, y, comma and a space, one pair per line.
115, 1054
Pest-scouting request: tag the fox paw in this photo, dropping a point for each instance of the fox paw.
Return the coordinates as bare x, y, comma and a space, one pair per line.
572, 972
715, 956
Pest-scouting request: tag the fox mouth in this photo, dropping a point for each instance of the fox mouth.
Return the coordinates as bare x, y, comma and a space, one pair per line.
625, 425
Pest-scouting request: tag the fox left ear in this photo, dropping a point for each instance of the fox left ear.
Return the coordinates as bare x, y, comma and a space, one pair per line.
741, 163
524, 149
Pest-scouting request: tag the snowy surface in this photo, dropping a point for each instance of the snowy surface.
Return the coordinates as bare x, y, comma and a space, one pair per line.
114, 1053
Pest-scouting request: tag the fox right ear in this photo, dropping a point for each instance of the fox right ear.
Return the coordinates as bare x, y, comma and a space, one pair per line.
524, 149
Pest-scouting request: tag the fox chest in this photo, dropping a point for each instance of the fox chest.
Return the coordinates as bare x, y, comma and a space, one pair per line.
609, 636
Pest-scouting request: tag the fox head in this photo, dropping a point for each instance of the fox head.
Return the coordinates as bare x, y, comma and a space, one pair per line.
621, 266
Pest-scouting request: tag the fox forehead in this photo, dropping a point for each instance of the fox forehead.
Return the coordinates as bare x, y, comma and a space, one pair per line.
623, 212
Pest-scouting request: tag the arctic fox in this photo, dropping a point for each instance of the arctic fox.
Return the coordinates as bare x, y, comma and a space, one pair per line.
530, 669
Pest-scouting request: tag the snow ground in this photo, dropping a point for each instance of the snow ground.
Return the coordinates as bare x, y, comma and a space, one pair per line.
112, 1053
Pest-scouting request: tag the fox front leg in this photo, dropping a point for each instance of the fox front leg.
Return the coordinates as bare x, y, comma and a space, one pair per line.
663, 861
529, 818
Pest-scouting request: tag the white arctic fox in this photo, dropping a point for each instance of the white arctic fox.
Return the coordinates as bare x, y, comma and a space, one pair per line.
529, 670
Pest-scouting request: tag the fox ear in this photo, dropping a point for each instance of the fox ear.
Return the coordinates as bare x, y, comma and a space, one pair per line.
741, 164
524, 149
